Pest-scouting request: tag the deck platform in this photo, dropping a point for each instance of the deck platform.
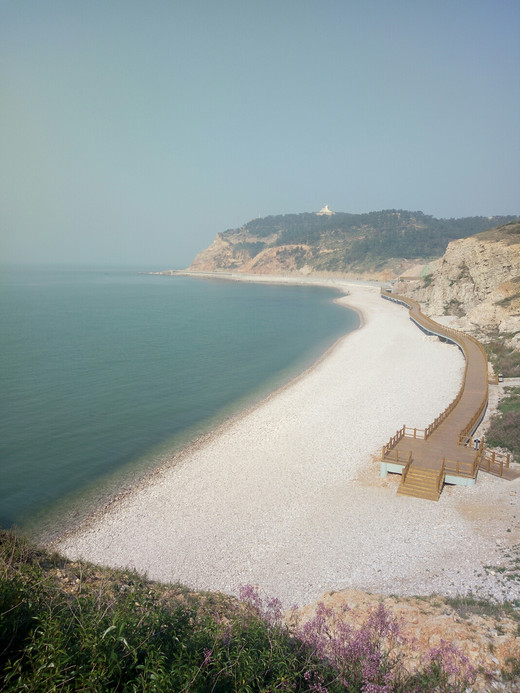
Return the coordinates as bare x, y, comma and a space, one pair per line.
445, 451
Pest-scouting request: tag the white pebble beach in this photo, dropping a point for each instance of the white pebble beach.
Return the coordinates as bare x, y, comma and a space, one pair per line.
287, 496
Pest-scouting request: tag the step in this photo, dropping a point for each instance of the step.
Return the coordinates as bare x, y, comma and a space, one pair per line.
403, 491
420, 483
423, 489
418, 478
418, 491
424, 471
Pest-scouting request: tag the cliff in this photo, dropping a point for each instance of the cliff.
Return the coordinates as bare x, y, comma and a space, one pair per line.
476, 283
377, 245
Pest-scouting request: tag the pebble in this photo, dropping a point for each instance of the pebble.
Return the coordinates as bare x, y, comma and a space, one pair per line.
302, 510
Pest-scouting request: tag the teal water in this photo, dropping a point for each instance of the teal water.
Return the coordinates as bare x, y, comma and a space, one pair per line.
104, 370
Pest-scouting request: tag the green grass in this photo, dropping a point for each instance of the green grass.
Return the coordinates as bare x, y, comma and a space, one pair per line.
504, 426
117, 631
69, 626
505, 359
468, 605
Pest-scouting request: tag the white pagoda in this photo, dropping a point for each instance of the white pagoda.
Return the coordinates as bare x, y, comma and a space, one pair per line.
325, 212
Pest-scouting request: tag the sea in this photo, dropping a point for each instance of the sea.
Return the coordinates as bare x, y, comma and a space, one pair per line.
106, 373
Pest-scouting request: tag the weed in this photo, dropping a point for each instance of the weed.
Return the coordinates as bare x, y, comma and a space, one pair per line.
512, 672
466, 605
504, 426
119, 631
505, 359
454, 307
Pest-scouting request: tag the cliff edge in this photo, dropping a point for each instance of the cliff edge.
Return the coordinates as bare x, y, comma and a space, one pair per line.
475, 285
376, 245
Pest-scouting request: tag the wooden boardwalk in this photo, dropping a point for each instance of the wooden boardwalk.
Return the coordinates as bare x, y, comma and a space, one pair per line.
445, 451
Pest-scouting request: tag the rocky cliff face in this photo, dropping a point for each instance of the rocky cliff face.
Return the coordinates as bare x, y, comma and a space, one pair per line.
374, 245
234, 255
477, 282
245, 253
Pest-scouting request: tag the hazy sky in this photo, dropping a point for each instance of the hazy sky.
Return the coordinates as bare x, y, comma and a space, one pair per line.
132, 131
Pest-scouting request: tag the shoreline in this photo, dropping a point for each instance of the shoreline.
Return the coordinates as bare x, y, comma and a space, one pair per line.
285, 495
134, 483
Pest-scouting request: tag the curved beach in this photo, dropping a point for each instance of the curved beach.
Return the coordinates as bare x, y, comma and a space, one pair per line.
288, 496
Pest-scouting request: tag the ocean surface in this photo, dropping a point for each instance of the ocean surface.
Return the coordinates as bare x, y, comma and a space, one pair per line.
104, 373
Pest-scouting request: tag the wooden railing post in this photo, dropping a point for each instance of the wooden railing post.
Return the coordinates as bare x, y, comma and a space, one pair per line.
465, 437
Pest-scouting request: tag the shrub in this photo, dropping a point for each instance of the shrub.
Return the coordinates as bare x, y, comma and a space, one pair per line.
504, 427
505, 360
115, 631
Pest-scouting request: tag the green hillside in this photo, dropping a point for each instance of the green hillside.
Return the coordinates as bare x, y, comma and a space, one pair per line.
354, 242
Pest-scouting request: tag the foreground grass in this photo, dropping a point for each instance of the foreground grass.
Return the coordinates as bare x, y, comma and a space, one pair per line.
76, 627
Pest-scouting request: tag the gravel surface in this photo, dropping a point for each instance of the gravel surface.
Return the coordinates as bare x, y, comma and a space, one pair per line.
288, 496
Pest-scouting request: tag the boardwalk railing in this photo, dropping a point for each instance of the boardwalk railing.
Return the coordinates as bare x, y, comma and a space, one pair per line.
458, 338
463, 455
458, 468
470, 442
475, 420
494, 462
395, 456
406, 469
410, 432
444, 415
442, 474
393, 441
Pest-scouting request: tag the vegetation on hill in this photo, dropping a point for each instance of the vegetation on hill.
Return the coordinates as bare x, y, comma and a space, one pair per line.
505, 359
353, 242
76, 627
508, 233
504, 427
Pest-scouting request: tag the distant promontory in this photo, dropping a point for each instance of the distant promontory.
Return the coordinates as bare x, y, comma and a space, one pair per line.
378, 245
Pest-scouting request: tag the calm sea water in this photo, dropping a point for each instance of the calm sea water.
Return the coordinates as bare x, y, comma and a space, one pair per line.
105, 371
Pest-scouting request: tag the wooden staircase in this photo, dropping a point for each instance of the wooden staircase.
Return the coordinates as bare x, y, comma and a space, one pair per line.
420, 482
444, 448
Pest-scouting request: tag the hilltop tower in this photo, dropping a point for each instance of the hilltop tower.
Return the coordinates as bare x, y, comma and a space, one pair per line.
325, 212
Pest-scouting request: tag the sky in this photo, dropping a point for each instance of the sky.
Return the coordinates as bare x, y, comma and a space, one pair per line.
132, 132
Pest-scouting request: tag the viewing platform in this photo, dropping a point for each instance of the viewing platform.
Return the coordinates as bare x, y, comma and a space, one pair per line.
445, 451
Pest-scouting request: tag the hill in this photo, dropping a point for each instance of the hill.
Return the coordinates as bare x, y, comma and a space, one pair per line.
380, 244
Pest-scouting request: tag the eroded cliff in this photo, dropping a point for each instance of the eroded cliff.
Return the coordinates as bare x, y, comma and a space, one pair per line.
375, 245
476, 282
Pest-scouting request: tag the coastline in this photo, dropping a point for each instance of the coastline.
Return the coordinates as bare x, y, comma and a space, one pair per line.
286, 495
